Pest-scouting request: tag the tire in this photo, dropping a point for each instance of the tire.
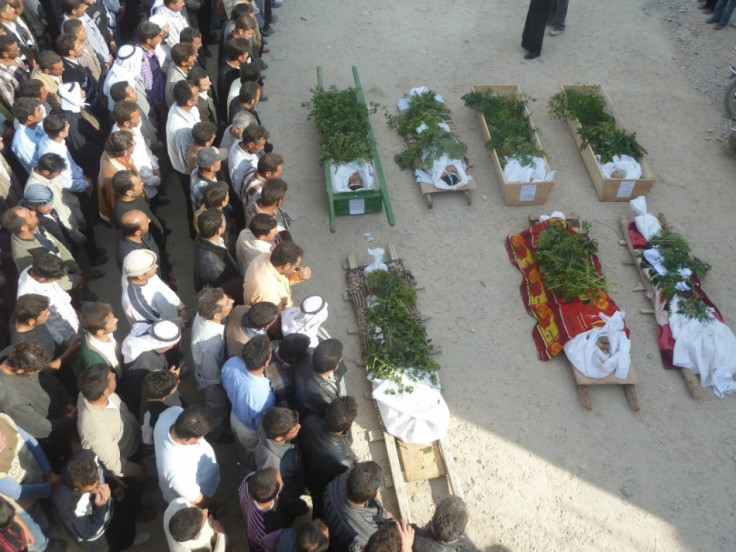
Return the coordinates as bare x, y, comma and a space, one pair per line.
730, 100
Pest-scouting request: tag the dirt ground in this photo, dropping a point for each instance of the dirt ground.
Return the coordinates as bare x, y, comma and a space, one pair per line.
538, 471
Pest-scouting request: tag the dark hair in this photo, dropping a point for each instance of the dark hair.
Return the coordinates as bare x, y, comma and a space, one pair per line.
72, 26
48, 265
183, 92
385, 539
263, 485
29, 306
209, 222
82, 470
119, 91
6, 41
181, 52
256, 352
203, 132
244, 23
248, 92
13, 221
185, 524
159, 384
123, 111
312, 537
51, 162
70, 5
262, 224
327, 355
363, 481
239, 10
123, 182
29, 356
274, 189
65, 43
449, 519
24, 108
48, 58
194, 422
214, 194
93, 316
254, 133
7, 513
270, 162
261, 314
54, 124
30, 88
196, 74
208, 304
147, 30
249, 72
278, 421
293, 347
93, 381
118, 143
340, 414
236, 47
188, 35
286, 252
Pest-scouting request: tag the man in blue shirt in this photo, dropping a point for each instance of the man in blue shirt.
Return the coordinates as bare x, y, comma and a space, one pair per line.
29, 114
249, 390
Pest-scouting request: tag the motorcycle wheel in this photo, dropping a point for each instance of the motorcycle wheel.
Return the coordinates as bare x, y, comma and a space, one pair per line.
730, 100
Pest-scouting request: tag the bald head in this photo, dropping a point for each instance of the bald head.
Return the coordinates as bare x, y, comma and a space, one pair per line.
134, 224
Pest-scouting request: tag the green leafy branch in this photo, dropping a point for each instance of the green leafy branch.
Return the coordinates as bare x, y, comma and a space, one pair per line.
398, 344
565, 262
512, 135
676, 255
342, 123
598, 128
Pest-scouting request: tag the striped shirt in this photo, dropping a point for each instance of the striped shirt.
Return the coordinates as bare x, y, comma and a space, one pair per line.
257, 521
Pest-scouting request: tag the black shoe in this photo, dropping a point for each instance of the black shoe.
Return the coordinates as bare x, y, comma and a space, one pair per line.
262, 64
94, 274
718, 27
98, 260
710, 21
268, 31
86, 295
532, 55
100, 251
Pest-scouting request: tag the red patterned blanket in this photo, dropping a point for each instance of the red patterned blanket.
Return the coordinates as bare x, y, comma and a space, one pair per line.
557, 322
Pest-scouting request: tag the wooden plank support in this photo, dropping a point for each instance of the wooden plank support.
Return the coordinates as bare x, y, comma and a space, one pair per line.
398, 477
450, 470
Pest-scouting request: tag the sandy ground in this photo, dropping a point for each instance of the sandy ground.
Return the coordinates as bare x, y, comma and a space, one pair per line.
538, 471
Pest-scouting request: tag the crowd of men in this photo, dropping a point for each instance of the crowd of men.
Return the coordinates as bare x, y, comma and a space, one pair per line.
109, 108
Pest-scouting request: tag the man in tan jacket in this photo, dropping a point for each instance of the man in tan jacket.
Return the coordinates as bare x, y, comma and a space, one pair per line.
105, 424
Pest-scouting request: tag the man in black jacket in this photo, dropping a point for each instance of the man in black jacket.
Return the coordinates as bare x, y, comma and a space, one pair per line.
214, 266
134, 234
318, 385
326, 444
94, 508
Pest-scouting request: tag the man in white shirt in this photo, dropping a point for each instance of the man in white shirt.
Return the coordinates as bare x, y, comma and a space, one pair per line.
42, 278
185, 461
183, 115
245, 154
146, 298
128, 118
189, 528
173, 11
